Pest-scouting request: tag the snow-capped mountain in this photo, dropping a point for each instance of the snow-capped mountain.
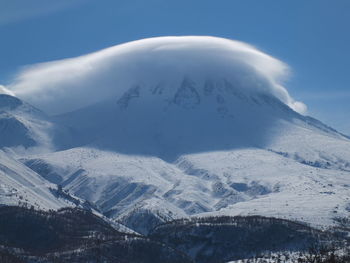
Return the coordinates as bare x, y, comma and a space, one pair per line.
293, 167
20, 123
184, 155
171, 119
188, 127
25, 129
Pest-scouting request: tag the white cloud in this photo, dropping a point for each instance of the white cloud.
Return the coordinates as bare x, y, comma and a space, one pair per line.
3, 90
65, 85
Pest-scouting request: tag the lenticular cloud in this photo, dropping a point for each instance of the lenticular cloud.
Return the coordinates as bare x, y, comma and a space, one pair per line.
66, 85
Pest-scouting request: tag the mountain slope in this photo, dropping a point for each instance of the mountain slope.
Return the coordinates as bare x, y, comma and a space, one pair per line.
75, 235
173, 151
171, 119
220, 239
250, 181
187, 126
20, 185
25, 129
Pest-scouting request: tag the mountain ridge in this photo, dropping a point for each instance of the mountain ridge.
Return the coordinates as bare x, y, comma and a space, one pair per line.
177, 128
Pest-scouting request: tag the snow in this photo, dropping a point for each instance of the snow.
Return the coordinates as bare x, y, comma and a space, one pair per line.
178, 137
26, 130
19, 185
162, 124
206, 184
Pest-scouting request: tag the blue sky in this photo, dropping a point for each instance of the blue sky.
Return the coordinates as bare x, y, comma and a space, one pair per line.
312, 36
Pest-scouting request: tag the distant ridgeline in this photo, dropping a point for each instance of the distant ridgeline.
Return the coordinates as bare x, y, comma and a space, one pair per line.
76, 235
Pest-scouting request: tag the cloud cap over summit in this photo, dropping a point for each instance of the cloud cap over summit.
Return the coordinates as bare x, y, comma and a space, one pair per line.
66, 85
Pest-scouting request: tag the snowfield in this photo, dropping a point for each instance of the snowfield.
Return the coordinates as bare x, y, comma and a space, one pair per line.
240, 182
19, 185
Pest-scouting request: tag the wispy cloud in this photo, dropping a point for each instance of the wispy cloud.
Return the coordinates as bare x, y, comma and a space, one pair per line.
3, 90
17, 10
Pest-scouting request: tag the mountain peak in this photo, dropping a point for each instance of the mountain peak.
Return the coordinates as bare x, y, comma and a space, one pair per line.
169, 119
186, 95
